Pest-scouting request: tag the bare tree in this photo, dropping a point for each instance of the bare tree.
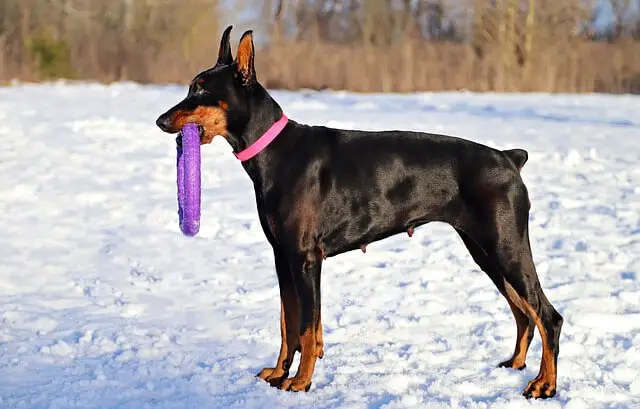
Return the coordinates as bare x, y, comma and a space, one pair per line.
620, 9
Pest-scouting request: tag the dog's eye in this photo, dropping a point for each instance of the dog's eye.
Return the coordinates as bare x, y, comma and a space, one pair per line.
200, 87
197, 87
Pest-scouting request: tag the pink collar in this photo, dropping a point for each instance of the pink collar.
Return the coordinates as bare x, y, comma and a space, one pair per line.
264, 141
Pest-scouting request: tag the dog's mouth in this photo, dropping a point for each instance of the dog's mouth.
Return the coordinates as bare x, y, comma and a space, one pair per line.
203, 139
210, 121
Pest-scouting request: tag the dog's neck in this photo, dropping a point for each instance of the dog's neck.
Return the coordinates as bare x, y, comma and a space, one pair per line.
262, 112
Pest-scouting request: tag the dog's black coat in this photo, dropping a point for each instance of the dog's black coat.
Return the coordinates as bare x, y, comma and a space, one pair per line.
322, 191
369, 185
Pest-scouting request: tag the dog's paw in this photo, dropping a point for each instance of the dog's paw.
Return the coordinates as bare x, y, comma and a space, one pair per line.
273, 376
511, 363
540, 388
295, 384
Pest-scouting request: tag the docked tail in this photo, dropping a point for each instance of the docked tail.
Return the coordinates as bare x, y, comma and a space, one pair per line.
518, 157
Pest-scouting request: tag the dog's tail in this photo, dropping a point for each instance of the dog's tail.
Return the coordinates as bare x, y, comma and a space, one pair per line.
517, 156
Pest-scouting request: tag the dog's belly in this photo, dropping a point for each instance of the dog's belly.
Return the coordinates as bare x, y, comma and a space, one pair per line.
382, 218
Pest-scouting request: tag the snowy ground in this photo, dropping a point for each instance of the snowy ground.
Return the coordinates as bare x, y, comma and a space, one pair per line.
104, 304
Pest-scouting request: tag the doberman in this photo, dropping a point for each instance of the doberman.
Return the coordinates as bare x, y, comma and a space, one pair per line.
321, 192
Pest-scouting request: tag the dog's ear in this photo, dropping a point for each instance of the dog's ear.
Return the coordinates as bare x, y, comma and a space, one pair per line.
224, 53
244, 58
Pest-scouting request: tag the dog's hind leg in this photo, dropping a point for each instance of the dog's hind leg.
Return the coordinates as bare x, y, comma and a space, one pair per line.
549, 322
289, 324
510, 252
306, 275
525, 328
524, 323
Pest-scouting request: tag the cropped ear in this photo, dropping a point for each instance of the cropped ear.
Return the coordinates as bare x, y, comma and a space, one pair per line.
244, 58
224, 53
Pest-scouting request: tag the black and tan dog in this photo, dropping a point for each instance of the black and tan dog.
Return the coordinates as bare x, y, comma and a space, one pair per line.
321, 192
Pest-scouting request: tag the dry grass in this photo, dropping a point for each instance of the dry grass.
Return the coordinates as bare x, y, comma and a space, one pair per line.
108, 40
432, 66
514, 45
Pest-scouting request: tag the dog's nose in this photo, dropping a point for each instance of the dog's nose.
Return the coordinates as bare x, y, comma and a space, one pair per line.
164, 122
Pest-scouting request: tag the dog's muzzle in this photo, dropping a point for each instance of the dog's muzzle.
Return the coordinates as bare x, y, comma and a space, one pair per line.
164, 122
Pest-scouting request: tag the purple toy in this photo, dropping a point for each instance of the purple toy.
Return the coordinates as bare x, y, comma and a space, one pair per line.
188, 181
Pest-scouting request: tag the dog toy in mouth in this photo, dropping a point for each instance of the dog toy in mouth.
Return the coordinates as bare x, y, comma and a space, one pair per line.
188, 166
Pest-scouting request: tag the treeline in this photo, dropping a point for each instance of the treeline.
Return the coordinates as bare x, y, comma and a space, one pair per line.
360, 45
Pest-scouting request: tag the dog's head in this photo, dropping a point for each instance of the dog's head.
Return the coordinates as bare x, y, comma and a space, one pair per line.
217, 95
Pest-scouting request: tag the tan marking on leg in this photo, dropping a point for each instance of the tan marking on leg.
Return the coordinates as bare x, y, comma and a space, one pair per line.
518, 360
543, 385
513, 297
302, 380
270, 374
292, 323
289, 323
319, 339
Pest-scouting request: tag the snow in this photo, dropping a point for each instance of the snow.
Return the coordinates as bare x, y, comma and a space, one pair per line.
104, 304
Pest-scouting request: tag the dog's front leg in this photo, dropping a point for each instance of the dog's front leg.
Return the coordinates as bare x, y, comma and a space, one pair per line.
289, 323
307, 281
